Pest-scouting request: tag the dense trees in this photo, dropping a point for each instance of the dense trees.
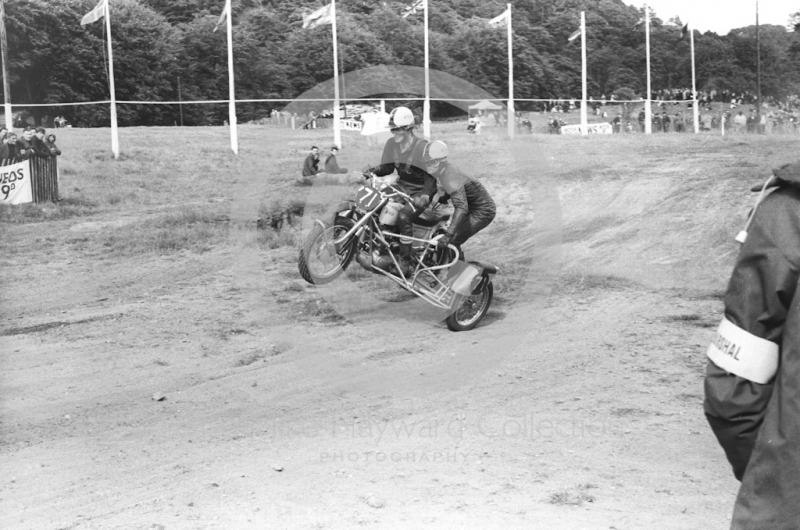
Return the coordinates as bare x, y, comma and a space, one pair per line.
161, 44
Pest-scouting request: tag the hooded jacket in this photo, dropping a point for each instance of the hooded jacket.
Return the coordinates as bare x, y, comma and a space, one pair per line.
752, 385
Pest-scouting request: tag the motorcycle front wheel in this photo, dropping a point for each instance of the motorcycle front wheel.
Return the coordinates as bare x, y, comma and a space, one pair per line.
471, 310
320, 261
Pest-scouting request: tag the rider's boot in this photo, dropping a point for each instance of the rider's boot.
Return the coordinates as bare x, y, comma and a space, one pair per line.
404, 259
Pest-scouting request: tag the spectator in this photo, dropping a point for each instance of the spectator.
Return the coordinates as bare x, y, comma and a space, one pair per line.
475, 124
4, 148
740, 121
50, 142
38, 147
310, 167
665, 121
657, 122
751, 122
617, 124
679, 127
331, 165
24, 149
641, 120
12, 147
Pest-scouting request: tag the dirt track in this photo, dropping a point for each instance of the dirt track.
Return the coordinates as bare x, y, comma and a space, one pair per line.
584, 413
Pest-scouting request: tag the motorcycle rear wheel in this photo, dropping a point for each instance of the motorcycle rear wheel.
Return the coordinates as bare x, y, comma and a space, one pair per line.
471, 310
319, 262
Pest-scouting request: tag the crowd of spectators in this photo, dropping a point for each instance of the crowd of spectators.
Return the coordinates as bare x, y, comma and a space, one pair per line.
32, 143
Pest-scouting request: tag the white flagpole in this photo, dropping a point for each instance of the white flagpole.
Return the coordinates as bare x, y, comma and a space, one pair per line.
648, 116
584, 119
231, 91
6, 82
695, 110
114, 131
337, 133
512, 122
426, 106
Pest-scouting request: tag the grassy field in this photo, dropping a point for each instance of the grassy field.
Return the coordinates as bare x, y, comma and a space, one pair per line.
160, 275
664, 201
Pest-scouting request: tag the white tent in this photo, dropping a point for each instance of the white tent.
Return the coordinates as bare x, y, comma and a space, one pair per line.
485, 105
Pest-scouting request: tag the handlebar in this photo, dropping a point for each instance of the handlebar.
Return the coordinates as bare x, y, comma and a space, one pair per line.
396, 192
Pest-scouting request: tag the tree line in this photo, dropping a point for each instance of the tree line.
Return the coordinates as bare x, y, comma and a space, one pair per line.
166, 50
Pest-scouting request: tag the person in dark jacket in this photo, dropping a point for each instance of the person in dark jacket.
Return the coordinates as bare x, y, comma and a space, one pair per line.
38, 146
4, 149
24, 149
403, 153
8, 150
310, 167
473, 207
752, 384
50, 142
331, 165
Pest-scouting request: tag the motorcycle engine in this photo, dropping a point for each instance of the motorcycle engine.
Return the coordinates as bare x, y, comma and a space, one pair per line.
377, 258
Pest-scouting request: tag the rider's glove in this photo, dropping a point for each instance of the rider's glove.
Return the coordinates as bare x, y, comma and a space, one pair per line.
421, 201
444, 241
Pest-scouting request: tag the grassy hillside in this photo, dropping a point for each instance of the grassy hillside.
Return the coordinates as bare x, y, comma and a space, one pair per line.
660, 209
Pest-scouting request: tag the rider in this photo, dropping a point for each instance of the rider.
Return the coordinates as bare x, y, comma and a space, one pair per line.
474, 207
403, 152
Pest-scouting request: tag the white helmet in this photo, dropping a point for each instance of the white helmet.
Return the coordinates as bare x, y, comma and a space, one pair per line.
401, 117
436, 150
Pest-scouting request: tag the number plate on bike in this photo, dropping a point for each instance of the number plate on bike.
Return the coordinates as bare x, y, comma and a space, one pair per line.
367, 198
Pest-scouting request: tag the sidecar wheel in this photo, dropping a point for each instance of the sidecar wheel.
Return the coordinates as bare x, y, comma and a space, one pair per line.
471, 310
319, 262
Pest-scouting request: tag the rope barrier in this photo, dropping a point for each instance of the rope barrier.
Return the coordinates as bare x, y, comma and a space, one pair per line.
275, 100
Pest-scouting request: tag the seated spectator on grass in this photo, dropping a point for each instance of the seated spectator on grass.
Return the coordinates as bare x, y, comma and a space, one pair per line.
310, 167
50, 142
331, 165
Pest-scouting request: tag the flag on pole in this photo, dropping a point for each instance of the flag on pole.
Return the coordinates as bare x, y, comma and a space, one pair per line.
501, 18
642, 18
575, 35
414, 8
225, 10
95, 14
101, 10
319, 17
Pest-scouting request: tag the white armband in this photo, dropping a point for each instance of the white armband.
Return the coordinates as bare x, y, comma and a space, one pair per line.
741, 353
